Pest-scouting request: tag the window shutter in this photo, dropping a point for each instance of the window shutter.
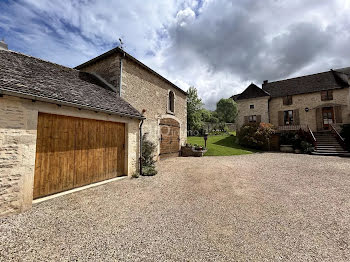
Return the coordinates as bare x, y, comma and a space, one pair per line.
258, 118
338, 114
285, 100
296, 117
323, 95
330, 94
290, 100
246, 120
280, 118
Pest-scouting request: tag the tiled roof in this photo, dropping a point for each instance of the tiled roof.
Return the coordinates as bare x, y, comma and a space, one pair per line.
252, 91
333, 79
27, 76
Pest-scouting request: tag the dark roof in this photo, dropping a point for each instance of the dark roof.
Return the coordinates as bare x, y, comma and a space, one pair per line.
33, 78
252, 91
333, 79
119, 50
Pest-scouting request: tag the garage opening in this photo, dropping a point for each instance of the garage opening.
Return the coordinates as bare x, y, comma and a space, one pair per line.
72, 152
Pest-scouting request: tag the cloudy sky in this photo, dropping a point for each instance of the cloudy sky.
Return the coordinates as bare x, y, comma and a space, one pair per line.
218, 46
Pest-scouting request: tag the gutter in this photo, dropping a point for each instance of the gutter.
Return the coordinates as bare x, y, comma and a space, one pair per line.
59, 102
141, 147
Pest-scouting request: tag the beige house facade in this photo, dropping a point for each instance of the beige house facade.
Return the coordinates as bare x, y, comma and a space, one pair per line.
164, 105
60, 129
315, 102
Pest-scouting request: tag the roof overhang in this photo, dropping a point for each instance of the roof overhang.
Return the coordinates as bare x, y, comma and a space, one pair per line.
65, 103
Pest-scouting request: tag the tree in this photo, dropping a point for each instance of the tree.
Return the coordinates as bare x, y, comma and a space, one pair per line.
226, 110
194, 109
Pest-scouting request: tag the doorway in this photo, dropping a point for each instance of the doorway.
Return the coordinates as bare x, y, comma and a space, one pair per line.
328, 117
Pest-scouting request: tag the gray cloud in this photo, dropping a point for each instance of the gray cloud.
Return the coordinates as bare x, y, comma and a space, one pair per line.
217, 46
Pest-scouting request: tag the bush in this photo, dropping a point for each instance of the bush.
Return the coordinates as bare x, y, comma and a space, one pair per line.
295, 138
255, 135
345, 133
306, 147
148, 162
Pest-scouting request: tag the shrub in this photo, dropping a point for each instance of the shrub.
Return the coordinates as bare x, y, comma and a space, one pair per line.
345, 133
148, 162
295, 138
306, 147
255, 135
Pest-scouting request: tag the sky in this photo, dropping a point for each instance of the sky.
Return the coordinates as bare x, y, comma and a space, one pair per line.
218, 46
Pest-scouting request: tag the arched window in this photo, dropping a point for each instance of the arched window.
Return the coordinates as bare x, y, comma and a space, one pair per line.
171, 101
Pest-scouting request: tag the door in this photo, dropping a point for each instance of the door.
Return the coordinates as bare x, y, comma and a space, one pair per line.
73, 152
169, 137
328, 117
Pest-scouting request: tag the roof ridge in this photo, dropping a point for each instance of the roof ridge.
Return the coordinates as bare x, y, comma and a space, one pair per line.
37, 58
282, 80
111, 51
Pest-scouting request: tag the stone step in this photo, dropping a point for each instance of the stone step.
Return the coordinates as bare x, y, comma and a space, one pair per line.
331, 151
326, 154
329, 148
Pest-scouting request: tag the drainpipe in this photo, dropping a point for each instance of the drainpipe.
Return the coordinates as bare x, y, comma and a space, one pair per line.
141, 147
121, 75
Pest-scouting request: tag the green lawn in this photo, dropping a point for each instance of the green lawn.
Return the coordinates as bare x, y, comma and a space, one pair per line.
221, 145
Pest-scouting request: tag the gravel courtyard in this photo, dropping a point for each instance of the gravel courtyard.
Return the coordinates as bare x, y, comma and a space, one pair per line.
259, 207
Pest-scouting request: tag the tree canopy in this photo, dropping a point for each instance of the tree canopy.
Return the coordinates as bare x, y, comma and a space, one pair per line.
226, 110
194, 110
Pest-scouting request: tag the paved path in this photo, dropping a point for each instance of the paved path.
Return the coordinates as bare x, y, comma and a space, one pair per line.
260, 207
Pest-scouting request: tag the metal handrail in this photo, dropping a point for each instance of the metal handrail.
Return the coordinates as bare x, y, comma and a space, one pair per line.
337, 133
312, 134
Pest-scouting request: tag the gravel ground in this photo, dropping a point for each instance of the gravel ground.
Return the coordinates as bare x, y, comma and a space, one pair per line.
260, 207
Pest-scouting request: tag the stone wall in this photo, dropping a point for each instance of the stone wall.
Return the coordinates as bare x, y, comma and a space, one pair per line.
144, 90
261, 107
18, 128
311, 101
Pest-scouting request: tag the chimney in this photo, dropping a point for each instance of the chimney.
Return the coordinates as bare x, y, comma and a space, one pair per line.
265, 82
3, 45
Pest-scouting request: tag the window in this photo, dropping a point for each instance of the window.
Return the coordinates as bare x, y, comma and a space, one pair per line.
251, 106
326, 95
252, 119
171, 101
287, 100
288, 117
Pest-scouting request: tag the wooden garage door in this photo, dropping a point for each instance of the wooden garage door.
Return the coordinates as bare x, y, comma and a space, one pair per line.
72, 152
169, 137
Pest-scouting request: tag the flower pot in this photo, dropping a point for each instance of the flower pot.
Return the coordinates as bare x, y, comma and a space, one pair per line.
286, 148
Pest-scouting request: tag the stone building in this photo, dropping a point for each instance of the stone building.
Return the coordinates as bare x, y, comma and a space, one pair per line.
163, 103
64, 128
317, 103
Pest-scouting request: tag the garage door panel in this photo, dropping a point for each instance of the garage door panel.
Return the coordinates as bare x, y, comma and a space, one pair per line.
72, 152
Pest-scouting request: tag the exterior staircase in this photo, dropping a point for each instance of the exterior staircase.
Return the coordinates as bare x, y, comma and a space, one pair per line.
328, 145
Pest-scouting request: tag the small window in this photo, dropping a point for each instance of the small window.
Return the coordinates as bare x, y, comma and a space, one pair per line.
326, 95
288, 118
171, 101
287, 100
251, 106
252, 119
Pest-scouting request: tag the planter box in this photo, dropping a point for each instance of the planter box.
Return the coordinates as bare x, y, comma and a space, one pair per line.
190, 151
286, 148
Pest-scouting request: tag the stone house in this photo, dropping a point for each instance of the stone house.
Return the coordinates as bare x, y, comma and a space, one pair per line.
318, 104
64, 128
315, 101
163, 103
